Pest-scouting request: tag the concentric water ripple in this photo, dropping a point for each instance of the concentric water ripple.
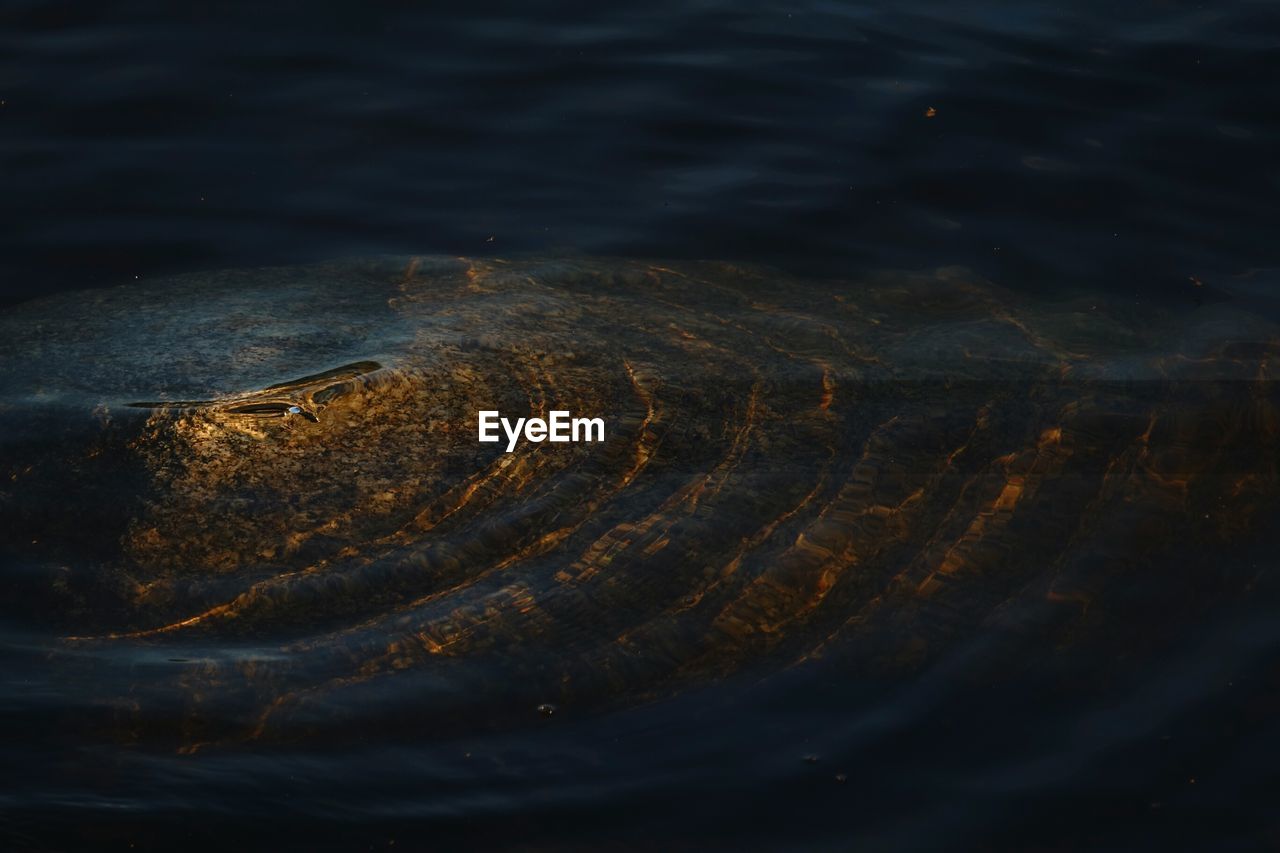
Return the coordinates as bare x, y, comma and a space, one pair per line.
253, 505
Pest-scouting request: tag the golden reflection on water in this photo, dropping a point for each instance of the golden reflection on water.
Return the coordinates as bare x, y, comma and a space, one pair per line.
791, 469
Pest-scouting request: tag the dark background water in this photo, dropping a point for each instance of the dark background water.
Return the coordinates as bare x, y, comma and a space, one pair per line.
1123, 146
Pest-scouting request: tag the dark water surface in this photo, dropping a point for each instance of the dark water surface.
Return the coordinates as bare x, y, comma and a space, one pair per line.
1122, 151
1124, 144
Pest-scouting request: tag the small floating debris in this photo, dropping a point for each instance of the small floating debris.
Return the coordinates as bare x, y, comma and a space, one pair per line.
546, 709
930, 112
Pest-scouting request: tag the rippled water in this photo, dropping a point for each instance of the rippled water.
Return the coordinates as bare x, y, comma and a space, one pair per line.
952, 527
1122, 144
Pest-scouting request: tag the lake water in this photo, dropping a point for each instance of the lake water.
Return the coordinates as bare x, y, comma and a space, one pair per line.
1105, 176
